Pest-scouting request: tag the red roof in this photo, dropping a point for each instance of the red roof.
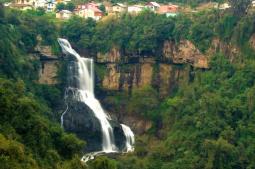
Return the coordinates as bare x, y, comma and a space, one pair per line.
91, 6
168, 9
153, 4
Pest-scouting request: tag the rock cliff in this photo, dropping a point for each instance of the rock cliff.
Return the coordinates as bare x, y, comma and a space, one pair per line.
49, 64
184, 52
125, 73
228, 49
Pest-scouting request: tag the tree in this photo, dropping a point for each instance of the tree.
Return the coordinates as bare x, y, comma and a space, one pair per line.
143, 101
70, 6
60, 6
103, 163
102, 8
40, 11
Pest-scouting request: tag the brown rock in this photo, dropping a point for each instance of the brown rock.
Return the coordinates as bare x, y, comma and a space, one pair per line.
145, 75
137, 124
165, 75
110, 57
184, 52
112, 78
48, 72
170, 77
229, 50
45, 51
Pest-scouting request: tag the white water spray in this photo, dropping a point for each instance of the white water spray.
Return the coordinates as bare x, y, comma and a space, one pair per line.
85, 94
130, 138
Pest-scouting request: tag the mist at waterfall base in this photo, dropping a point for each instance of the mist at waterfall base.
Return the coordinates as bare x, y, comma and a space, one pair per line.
81, 89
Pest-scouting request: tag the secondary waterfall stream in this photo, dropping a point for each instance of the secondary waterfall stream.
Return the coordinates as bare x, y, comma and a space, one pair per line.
85, 93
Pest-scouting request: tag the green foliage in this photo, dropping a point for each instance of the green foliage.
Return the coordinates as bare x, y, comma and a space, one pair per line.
79, 32
74, 163
69, 6
72, 145
143, 101
60, 6
103, 163
208, 123
225, 27
102, 8
23, 119
28, 139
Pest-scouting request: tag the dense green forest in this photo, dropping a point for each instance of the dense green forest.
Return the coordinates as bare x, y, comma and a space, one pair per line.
207, 123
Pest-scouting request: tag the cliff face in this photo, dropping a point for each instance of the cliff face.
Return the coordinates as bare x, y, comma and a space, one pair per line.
184, 52
229, 50
49, 65
122, 73
125, 76
165, 74
48, 72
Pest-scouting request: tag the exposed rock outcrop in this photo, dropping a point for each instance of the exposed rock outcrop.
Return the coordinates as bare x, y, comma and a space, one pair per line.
110, 57
170, 77
229, 50
145, 75
112, 79
48, 72
138, 124
139, 75
49, 65
184, 52
45, 52
128, 76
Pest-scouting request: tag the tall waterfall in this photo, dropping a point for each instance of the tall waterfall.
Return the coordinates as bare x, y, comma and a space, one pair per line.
85, 93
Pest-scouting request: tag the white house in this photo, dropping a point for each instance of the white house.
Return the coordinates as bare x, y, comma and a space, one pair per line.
50, 5
64, 14
224, 6
89, 10
152, 6
253, 3
135, 9
119, 7
40, 3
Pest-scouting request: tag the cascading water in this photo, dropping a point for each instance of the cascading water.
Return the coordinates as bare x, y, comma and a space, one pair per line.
84, 92
130, 138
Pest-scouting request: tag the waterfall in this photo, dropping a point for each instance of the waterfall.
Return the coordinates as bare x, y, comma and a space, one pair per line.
130, 138
85, 93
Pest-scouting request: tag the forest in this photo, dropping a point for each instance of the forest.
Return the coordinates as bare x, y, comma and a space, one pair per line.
207, 123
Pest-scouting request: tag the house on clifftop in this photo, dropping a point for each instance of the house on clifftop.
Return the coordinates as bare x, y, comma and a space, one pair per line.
89, 10
168, 10
64, 14
119, 8
153, 6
